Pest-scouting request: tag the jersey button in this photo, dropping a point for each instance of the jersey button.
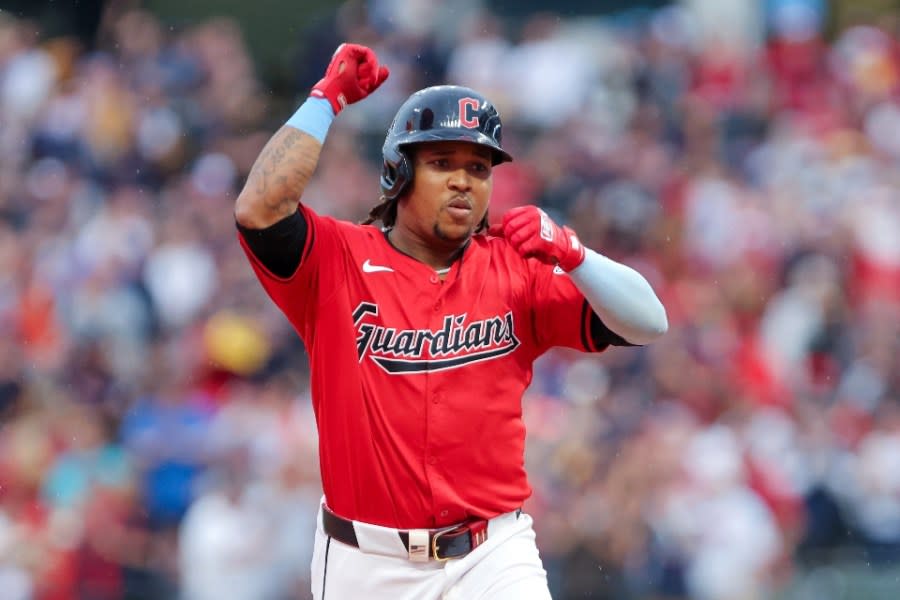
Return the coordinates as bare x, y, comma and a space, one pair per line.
444, 513
437, 306
431, 460
434, 279
436, 398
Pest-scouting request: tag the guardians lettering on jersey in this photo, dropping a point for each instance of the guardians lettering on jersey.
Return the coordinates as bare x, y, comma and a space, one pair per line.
407, 351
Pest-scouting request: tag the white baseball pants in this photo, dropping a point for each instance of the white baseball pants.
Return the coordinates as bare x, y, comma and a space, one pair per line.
505, 567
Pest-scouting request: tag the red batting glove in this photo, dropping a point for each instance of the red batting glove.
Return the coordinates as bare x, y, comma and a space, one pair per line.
533, 234
353, 74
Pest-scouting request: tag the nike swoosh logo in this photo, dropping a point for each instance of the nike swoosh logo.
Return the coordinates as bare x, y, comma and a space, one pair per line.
368, 267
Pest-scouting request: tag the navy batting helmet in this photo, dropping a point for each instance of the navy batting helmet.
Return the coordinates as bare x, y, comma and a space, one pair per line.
438, 114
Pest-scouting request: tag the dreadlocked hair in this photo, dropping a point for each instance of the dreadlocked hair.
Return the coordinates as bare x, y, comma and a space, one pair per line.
386, 212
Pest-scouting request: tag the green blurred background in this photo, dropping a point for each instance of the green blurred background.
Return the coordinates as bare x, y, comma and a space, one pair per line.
272, 28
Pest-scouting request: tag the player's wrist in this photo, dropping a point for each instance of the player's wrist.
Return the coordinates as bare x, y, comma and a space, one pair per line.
573, 257
331, 91
313, 117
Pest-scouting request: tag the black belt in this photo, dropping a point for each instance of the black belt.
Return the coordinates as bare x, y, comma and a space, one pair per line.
443, 544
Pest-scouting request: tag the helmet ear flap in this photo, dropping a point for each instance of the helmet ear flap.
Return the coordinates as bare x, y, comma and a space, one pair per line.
404, 173
396, 175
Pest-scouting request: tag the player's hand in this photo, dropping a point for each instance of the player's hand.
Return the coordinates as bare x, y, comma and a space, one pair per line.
353, 74
533, 234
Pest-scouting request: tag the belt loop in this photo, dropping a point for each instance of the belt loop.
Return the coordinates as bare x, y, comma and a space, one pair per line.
418, 545
478, 532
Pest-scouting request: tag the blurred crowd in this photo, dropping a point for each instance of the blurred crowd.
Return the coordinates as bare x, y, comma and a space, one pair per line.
156, 434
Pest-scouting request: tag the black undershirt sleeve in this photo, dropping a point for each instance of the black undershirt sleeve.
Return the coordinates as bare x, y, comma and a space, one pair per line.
278, 247
601, 335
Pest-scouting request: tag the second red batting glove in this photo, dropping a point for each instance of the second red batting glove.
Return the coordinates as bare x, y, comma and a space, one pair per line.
353, 74
533, 234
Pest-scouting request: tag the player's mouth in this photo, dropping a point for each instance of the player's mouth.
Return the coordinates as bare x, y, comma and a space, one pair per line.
459, 208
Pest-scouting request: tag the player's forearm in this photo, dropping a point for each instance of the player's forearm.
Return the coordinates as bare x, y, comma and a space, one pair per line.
287, 163
278, 178
621, 297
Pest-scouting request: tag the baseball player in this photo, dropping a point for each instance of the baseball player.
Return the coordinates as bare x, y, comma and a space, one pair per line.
421, 336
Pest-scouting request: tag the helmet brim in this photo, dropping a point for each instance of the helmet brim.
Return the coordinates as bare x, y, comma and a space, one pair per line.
446, 135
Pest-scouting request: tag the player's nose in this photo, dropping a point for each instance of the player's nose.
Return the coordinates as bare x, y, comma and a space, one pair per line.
459, 179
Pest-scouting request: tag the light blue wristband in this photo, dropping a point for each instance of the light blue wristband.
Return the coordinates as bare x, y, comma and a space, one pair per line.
313, 117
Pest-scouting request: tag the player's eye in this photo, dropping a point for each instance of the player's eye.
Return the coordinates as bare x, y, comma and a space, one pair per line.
479, 169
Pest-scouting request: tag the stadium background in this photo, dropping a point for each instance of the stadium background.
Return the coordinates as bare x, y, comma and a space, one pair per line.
156, 439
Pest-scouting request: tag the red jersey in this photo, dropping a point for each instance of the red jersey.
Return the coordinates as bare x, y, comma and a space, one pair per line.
417, 382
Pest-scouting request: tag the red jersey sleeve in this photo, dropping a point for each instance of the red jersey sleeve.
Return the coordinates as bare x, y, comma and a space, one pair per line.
318, 276
562, 316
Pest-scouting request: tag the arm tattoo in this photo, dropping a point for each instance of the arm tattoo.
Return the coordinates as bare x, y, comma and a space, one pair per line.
283, 169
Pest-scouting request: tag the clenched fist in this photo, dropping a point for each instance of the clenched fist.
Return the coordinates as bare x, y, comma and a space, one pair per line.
353, 74
533, 234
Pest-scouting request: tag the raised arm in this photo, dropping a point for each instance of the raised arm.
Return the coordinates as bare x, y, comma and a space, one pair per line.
287, 162
278, 178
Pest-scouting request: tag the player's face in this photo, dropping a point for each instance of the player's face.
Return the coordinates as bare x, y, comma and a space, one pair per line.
450, 191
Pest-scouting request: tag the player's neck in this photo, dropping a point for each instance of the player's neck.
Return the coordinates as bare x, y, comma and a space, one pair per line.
438, 256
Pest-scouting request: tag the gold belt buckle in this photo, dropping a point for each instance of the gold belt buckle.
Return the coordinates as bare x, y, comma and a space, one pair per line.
434, 543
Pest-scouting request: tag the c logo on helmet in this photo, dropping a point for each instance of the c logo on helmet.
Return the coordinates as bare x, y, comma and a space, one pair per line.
468, 118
